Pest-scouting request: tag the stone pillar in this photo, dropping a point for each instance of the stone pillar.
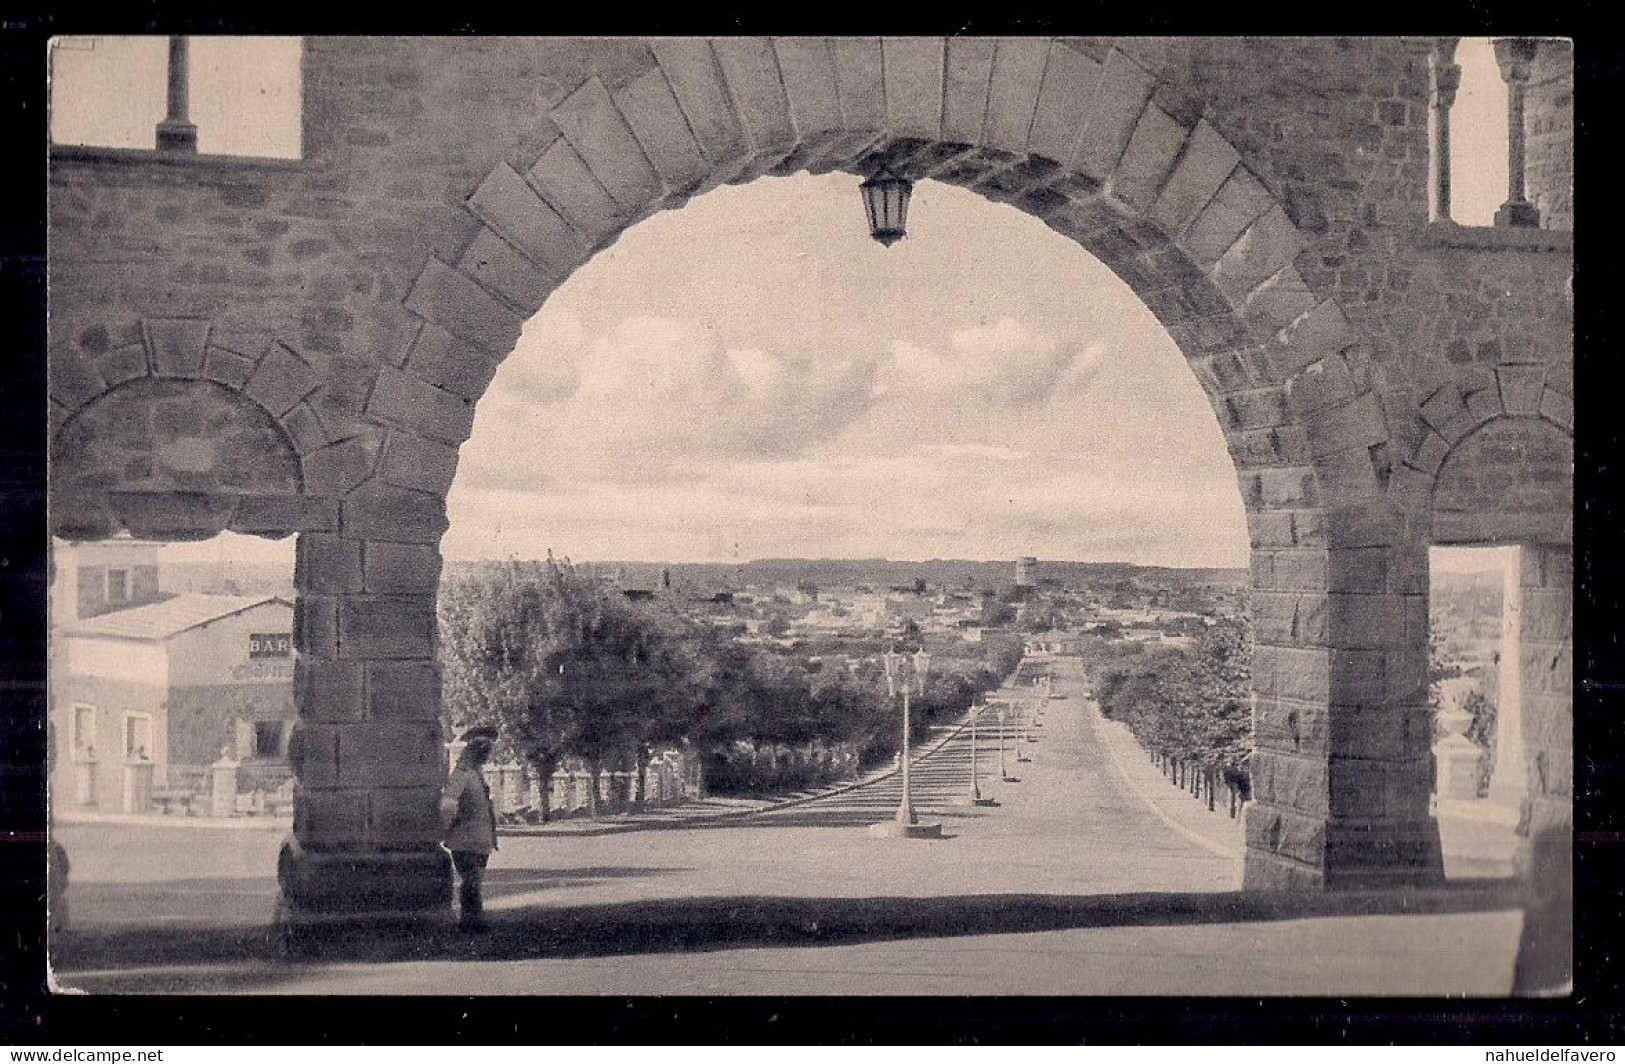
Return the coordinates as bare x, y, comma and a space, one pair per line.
1342, 770
223, 785
1446, 80
137, 786
1546, 678
367, 750
1515, 55
176, 132
1508, 782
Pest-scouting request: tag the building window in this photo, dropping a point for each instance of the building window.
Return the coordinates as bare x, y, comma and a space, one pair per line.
270, 645
83, 736
118, 586
138, 736
235, 95
271, 738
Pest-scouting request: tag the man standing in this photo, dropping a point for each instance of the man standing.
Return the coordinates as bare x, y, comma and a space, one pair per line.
470, 824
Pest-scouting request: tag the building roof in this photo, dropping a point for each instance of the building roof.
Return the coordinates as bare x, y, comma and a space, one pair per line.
162, 620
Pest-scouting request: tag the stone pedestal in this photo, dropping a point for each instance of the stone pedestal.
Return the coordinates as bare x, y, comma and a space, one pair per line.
362, 884
137, 786
223, 786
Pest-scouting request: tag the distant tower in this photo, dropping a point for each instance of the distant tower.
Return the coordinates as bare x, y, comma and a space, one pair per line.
1026, 572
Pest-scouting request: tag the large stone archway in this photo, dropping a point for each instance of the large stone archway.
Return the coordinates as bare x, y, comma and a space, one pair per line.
376, 391
1342, 775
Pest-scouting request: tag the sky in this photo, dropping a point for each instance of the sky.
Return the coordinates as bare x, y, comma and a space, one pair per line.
752, 376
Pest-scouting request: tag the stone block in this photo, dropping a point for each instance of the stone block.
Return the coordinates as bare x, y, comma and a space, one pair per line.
1013, 88
386, 626
1446, 414
692, 70
1406, 669
326, 564
858, 79
1260, 408
450, 364
1240, 201
1384, 853
1483, 402
304, 427
404, 400
912, 71
279, 515
656, 119
1292, 838
1298, 674
1271, 489
405, 818
1277, 445
1357, 676
1320, 385
401, 568
327, 820
1546, 566
1558, 408
328, 691
499, 267
1349, 476
126, 363
171, 515
599, 133
1356, 789
966, 77
1408, 788
1290, 727
1521, 388
73, 379
752, 72
1351, 525
1121, 95
315, 626
411, 461
382, 511
280, 380
1355, 424
1265, 872
808, 67
506, 203
1153, 145
336, 469
1430, 452
1409, 488
176, 346
1206, 165
403, 690
1270, 528
1263, 250
226, 367
456, 302
1272, 613
1318, 335
1070, 78
389, 753
1290, 781
1364, 620
1361, 571
1302, 570
80, 515
1280, 300
570, 188
1380, 732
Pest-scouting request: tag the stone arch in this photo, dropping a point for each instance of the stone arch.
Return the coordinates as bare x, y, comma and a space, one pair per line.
143, 386
1084, 142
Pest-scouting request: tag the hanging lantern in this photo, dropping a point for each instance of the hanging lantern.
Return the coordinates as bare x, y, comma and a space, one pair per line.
885, 198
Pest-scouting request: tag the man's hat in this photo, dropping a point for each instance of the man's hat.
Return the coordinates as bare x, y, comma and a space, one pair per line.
484, 731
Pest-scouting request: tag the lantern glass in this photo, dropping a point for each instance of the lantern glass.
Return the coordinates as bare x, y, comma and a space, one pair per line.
885, 200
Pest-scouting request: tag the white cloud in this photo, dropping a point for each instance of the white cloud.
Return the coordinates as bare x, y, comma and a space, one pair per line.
1005, 363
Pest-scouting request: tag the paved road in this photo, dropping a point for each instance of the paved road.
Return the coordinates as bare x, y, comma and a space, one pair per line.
1076, 883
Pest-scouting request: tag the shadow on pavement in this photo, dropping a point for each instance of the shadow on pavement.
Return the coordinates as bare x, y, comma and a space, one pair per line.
702, 924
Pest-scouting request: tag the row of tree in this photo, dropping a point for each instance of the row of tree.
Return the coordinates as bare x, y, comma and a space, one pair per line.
568, 667
1189, 705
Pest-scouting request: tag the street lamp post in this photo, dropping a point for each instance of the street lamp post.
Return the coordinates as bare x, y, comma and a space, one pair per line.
1004, 715
906, 824
1021, 732
975, 796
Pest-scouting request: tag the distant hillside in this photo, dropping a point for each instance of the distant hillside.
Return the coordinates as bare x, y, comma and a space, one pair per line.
883, 572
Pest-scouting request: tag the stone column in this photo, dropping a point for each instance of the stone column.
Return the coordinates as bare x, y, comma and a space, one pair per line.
1546, 662
176, 132
1515, 55
367, 750
1446, 80
1342, 770
223, 785
1508, 782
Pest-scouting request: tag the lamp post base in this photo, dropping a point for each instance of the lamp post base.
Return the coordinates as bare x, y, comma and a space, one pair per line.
892, 829
977, 799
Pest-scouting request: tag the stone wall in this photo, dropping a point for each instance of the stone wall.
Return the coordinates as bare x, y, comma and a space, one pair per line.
1549, 122
1266, 198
